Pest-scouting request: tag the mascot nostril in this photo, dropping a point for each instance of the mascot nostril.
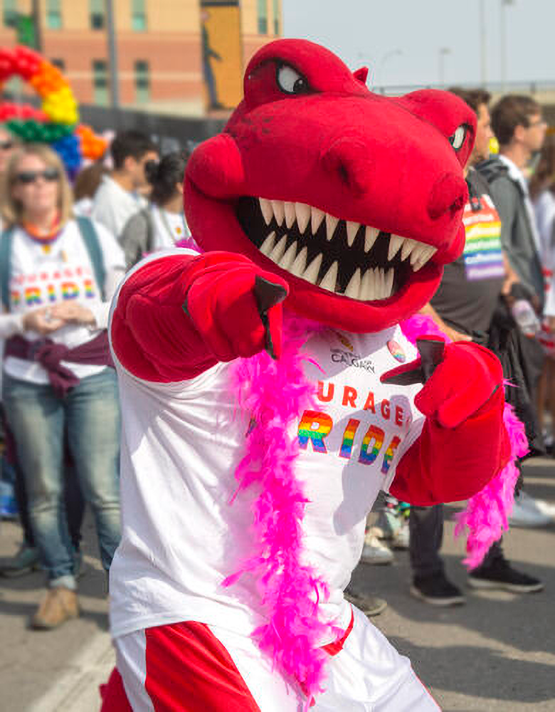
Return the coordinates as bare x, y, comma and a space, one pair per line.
261, 418
348, 160
448, 196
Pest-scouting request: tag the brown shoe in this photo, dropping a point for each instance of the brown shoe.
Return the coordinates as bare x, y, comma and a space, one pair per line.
58, 606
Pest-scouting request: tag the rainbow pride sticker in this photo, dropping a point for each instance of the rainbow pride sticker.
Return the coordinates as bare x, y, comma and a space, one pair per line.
396, 351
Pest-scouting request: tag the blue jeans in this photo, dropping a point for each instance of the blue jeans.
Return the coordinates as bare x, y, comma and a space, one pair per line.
88, 420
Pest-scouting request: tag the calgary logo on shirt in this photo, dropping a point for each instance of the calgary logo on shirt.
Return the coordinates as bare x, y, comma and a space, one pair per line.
349, 357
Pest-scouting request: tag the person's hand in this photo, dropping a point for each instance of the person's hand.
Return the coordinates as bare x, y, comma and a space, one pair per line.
508, 285
42, 321
551, 324
73, 313
456, 335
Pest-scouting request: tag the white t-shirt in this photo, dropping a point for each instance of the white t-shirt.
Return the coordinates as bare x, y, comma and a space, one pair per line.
181, 443
169, 228
113, 206
64, 272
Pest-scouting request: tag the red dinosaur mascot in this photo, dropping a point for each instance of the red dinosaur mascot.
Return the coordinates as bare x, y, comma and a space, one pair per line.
268, 395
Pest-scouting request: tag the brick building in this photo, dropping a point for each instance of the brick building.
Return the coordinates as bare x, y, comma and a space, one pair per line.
161, 63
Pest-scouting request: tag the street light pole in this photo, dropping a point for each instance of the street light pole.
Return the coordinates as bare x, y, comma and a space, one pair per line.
384, 59
503, 30
112, 54
483, 45
35, 11
442, 53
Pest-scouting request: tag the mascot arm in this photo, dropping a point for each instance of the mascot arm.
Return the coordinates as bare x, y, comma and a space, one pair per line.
463, 442
179, 315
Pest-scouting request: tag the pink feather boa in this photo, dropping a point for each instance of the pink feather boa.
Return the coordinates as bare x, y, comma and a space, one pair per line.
274, 393
486, 513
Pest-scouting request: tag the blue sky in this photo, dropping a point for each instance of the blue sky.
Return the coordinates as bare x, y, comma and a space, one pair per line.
401, 39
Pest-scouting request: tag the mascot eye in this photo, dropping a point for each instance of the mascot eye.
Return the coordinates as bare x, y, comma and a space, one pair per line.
457, 139
290, 81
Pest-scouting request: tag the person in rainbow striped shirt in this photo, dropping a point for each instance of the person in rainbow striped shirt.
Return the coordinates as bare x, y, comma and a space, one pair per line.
463, 307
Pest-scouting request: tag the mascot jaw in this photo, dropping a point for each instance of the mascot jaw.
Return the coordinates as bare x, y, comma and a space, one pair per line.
340, 256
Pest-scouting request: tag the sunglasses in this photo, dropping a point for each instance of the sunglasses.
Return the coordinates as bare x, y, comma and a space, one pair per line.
28, 177
6, 145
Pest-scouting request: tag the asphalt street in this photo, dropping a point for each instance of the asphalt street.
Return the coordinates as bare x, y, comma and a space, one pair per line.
494, 654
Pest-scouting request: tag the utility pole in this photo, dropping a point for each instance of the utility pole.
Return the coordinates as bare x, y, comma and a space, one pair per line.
112, 54
483, 45
503, 28
442, 53
35, 12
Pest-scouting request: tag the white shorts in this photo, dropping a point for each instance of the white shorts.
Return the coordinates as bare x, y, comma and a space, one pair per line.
366, 675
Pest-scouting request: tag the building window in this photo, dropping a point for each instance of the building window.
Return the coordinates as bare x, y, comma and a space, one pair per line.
100, 81
10, 13
60, 63
262, 17
53, 15
276, 16
142, 81
97, 14
138, 16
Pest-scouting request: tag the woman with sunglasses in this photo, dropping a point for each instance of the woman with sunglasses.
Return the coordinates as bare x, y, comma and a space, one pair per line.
57, 277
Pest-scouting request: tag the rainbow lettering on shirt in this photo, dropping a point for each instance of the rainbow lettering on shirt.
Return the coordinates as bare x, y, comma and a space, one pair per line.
32, 296
314, 426
51, 293
348, 438
70, 290
89, 288
390, 454
15, 298
373, 434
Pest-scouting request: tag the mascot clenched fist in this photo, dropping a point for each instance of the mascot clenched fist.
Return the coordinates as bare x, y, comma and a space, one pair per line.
269, 394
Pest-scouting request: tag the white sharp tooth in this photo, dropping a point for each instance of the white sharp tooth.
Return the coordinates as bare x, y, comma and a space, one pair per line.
299, 265
426, 255
277, 207
266, 208
389, 282
370, 235
289, 257
290, 214
316, 218
277, 253
369, 285
395, 243
303, 215
331, 224
268, 244
408, 246
330, 278
353, 288
352, 229
312, 271
417, 252
380, 283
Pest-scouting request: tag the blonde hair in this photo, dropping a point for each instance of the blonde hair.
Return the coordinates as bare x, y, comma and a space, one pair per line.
11, 208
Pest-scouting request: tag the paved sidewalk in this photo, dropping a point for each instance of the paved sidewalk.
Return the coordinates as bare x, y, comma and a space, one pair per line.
495, 654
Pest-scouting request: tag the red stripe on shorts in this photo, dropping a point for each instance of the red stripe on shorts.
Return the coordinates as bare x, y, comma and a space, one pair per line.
189, 670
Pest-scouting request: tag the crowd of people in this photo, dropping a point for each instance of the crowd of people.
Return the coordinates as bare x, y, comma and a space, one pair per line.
64, 248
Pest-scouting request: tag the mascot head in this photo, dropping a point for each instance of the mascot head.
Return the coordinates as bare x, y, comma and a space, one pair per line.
355, 199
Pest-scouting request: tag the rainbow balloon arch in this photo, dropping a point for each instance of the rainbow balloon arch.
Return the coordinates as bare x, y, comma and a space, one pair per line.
57, 122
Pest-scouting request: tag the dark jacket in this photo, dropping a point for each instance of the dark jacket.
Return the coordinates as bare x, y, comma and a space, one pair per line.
517, 236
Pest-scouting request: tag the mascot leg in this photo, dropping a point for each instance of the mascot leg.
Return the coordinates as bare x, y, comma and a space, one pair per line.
369, 675
114, 698
192, 667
